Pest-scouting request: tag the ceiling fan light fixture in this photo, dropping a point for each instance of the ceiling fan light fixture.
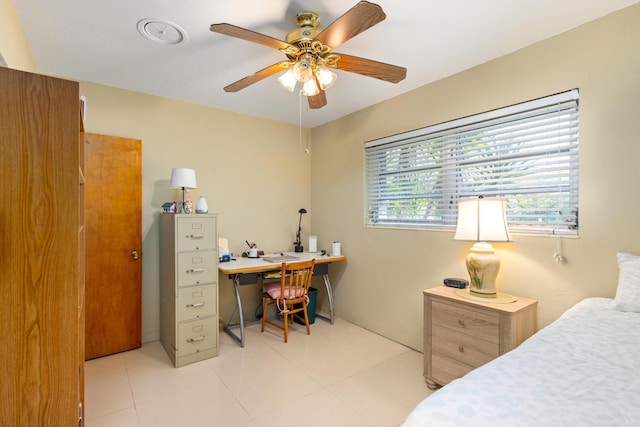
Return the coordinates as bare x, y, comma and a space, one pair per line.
309, 52
310, 88
326, 77
287, 80
303, 69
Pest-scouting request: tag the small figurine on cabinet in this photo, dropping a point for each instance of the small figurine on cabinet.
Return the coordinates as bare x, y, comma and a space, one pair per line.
169, 207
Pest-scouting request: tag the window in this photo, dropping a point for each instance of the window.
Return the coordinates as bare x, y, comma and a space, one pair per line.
526, 153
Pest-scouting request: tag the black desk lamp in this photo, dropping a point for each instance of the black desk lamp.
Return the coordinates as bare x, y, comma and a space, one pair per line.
298, 244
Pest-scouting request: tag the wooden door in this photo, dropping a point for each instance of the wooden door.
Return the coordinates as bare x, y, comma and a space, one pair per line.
113, 200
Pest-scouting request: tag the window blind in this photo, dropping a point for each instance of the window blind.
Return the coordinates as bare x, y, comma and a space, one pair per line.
526, 153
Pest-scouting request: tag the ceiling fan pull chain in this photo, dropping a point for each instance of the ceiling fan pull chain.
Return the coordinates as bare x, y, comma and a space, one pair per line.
300, 118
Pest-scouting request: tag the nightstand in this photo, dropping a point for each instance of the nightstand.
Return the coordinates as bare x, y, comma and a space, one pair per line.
461, 334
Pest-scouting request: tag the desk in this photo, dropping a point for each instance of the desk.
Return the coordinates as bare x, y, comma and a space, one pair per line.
247, 271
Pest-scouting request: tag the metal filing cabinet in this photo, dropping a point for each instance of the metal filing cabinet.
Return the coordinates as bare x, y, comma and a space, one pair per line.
188, 287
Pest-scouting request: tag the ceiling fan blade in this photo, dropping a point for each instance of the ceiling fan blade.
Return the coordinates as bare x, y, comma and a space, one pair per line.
317, 101
360, 17
370, 68
256, 77
252, 36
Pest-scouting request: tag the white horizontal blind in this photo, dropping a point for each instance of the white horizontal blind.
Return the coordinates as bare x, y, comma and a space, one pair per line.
526, 153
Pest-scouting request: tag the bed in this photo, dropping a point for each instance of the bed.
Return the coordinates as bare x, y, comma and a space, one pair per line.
581, 370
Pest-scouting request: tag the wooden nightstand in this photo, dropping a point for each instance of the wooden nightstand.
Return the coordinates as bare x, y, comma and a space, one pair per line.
461, 334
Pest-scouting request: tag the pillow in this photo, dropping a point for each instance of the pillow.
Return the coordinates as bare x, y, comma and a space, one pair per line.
628, 292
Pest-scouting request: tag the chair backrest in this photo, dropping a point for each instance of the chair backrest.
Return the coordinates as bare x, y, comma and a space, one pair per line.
296, 278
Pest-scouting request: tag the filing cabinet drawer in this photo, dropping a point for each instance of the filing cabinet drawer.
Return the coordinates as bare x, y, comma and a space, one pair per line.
195, 234
197, 336
196, 301
483, 325
463, 347
196, 268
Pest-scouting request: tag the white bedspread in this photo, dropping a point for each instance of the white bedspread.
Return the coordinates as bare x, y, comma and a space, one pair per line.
582, 370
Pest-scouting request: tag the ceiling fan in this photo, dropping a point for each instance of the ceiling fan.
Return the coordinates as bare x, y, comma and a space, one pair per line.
310, 55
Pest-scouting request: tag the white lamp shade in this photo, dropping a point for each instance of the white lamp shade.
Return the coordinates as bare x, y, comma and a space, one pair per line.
288, 80
482, 220
303, 70
182, 178
326, 77
310, 88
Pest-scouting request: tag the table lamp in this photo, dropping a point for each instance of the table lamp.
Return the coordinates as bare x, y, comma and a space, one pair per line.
182, 178
483, 220
297, 245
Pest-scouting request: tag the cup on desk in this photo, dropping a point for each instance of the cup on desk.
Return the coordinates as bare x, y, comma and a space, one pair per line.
336, 250
253, 253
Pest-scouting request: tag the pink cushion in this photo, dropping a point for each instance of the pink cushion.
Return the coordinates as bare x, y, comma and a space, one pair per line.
273, 289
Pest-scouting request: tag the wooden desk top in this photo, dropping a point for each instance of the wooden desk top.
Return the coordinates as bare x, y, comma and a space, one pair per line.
256, 265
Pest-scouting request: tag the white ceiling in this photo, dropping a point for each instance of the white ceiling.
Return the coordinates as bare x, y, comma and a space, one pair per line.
98, 41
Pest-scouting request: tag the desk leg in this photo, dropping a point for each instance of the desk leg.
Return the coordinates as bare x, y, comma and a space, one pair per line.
327, 285
229, 325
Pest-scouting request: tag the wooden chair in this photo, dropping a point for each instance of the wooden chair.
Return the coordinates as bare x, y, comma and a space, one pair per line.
290, 295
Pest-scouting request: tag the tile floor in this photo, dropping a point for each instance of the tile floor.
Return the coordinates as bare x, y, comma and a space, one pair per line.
340, 375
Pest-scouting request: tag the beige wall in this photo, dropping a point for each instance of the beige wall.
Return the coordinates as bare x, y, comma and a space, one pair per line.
255, 174
380, 287
13, 46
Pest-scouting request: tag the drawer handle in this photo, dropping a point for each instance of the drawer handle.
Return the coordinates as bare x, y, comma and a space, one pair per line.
195, 236
461, 348
461, 322
196, 339
195, 270
196, 305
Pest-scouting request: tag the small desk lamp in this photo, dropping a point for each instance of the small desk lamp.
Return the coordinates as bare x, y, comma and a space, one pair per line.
182, 178
298, 244
483, 220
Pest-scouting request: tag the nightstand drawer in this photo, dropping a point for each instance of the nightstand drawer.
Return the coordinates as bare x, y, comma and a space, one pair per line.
446, 370
196, 301
463, 347
196, 336
196, 268
483, 325
195, 234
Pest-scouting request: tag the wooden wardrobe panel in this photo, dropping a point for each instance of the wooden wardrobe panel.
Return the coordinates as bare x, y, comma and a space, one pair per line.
39, 249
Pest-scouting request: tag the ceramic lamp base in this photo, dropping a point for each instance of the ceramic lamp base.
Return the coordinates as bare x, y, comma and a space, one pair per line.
483, 266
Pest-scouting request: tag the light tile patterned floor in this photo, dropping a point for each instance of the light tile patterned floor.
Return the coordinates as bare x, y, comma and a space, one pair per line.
340, 375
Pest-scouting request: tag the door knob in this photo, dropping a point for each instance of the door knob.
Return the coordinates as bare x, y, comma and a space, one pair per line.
134, 255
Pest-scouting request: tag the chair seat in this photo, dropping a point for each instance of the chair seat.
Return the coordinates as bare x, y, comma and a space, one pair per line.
274, 290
